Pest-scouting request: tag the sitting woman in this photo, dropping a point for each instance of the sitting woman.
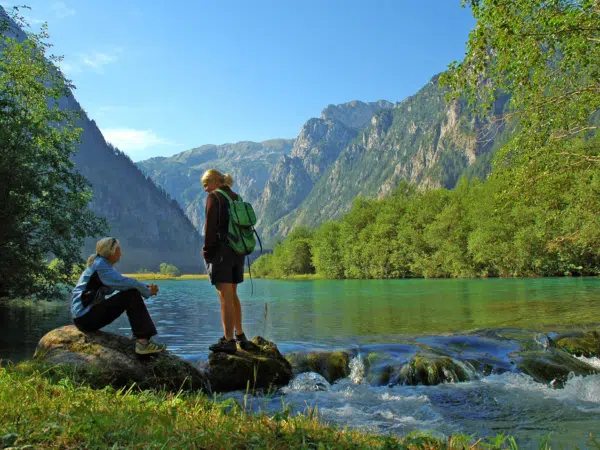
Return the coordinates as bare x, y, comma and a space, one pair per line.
92, 309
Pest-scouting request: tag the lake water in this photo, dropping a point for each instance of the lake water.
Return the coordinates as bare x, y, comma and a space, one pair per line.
386, 316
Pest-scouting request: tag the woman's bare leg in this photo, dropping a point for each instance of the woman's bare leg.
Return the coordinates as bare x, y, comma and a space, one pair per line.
237, 308
226, 295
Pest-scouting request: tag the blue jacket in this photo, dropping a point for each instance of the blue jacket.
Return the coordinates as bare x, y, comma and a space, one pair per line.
109, 277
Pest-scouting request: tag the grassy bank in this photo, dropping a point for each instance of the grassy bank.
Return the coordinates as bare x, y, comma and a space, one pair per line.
160, 276
49, 409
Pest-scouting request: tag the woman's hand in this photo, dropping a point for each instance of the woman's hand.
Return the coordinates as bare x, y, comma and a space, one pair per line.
153, 288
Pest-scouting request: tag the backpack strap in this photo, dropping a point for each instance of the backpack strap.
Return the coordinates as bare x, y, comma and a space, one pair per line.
224, 194
221, 191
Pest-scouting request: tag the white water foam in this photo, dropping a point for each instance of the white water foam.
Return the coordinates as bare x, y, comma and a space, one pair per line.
308, 381
577, 389
594, 361
357, 370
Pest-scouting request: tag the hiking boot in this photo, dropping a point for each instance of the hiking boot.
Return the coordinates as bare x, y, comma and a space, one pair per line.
245, 344
150, 348
224, 346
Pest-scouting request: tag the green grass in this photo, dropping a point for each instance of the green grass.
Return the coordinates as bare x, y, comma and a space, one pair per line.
47, 407
160, 276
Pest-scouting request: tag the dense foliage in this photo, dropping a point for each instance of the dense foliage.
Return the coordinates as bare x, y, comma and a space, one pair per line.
537, 214
546, 57
471, 231
43, 200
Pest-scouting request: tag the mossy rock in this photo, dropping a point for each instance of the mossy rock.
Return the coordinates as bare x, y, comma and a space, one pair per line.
379, 368
585, 344
107, 359
430, 370
331, 365
383, 375
551, 366
262, 367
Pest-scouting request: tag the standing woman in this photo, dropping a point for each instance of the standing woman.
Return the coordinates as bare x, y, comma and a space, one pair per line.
92, 309
225, 267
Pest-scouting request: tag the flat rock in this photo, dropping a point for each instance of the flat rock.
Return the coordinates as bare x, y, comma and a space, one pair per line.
111, 360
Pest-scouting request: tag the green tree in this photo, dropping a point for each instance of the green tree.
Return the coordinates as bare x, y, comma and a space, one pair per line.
293, 256
546, 56
43, 199
413, 251
380, 236
169, 269
263, 266
354, 235
325, 248
448, 234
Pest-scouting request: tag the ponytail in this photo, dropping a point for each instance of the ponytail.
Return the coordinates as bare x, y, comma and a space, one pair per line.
105, 247
228, 180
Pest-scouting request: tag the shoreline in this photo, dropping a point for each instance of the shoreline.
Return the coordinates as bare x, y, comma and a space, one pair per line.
160, 276
316, 276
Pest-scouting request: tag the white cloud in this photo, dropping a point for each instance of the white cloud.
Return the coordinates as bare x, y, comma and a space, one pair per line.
93, 60
61, 10
97, 60
69, 69
131, 140
33, 20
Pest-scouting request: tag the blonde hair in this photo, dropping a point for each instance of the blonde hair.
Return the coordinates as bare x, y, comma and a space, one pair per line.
105, 247
215, 175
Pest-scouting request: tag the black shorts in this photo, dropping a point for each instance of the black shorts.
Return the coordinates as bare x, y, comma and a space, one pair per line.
226, 266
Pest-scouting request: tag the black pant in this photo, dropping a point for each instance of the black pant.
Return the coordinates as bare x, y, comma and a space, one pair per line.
110, 309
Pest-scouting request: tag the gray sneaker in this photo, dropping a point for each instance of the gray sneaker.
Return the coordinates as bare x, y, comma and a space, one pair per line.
245, 344
224, 346
150, 348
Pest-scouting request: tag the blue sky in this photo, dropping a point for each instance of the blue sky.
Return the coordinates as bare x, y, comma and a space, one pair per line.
161, 77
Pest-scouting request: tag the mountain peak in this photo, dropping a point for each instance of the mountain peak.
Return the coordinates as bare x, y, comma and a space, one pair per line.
355, 114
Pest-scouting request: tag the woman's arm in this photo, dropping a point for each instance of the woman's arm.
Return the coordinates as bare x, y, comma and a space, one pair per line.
113, 279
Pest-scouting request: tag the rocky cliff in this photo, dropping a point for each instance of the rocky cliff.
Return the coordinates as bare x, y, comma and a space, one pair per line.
422, 139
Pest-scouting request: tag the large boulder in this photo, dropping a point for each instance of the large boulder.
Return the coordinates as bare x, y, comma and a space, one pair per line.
551, 366
581, 344
331, 365
262, 367
108, 359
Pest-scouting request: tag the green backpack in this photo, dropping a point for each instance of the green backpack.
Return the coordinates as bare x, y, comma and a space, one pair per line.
241, 232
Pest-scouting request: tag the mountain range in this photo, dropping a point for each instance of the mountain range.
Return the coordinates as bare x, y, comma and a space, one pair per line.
353, 149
